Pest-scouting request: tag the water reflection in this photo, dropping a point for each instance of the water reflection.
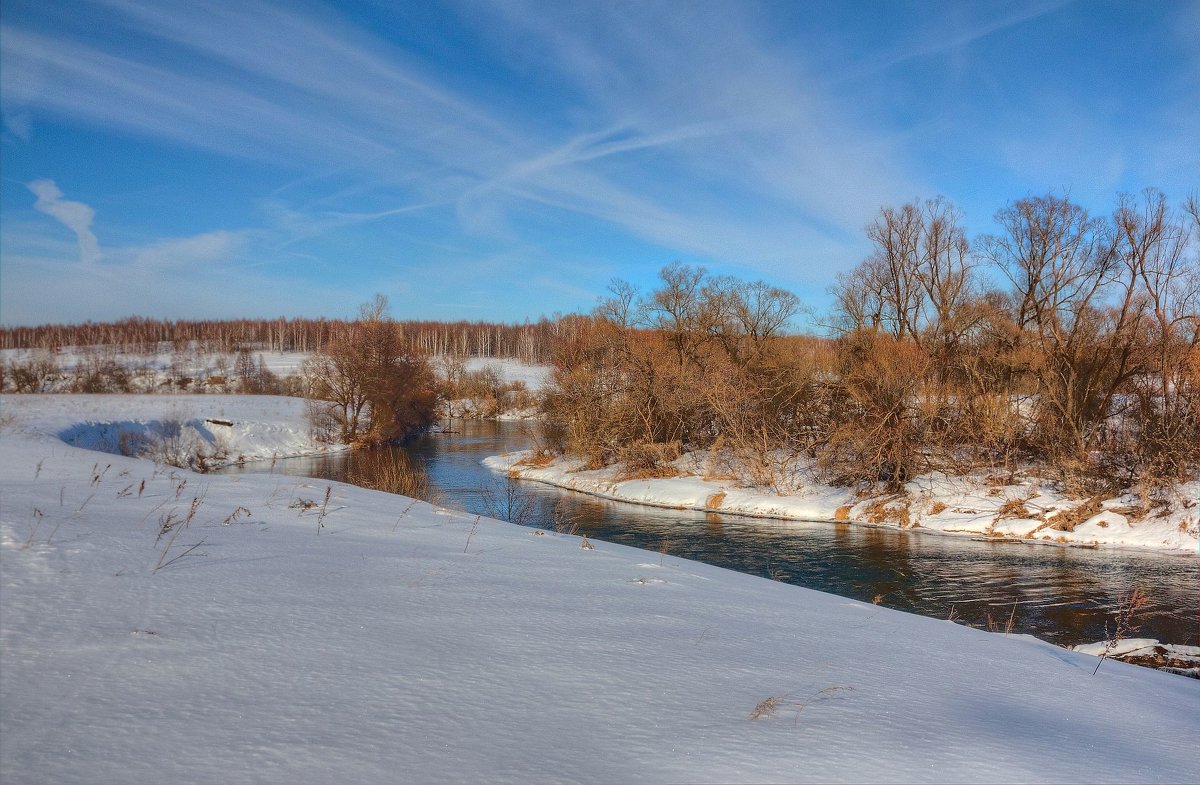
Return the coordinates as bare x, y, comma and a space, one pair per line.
1063, 595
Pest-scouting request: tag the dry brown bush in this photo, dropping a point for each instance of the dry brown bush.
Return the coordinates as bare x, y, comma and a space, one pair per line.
878, 434
646, 461
1067, 520
1087, 365
391, 471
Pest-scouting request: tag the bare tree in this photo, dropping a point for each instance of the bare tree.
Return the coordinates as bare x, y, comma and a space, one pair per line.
1152, 243
379, 390
1062, 265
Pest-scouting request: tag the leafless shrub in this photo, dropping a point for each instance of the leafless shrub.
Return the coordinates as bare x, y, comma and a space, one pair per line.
101, 372
564, 518
644, 461
508, 501
33, 375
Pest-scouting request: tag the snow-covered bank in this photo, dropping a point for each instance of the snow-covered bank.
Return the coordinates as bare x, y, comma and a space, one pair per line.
219, 429
1172, 657
978, 506
282, 636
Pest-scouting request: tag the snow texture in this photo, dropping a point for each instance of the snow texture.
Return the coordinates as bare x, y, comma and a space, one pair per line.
376, 639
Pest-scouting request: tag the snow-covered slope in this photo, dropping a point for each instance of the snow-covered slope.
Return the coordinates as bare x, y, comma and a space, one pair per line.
272, 633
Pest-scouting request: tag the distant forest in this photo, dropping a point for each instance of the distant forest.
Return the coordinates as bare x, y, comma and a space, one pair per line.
530, 342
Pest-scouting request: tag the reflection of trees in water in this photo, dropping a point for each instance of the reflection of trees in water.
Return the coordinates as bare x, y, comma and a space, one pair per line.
390, 470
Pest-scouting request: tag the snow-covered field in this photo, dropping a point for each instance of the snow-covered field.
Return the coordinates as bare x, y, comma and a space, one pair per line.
155, 368
975, 505
535, 377
164, 626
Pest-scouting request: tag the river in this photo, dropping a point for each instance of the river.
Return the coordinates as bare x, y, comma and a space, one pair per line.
1060, 594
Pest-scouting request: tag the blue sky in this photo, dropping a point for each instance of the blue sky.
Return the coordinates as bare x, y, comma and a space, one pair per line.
504, 160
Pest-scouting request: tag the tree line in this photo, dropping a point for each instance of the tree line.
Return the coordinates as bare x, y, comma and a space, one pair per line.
1064, 339
527, 342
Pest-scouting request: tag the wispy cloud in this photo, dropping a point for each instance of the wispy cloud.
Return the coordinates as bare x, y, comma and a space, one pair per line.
692, 93
707, 139
76, 216
956, 31
498, 138
211, 275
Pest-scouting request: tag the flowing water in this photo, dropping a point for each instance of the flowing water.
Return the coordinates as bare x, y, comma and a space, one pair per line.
1064, 595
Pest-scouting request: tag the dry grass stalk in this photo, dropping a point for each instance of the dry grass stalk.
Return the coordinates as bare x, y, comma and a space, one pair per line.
470, 534
324, 509
1013, 508
163, 564
890, 509
564, 518
767, 707
393, 472
1129, 608
771, 706
233, 516
538, 460
38, 517
1067, 520
168, 523
403, 512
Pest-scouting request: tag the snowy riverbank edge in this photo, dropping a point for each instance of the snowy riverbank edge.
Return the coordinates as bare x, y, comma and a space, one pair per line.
974, 506
220, 429
288, 636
